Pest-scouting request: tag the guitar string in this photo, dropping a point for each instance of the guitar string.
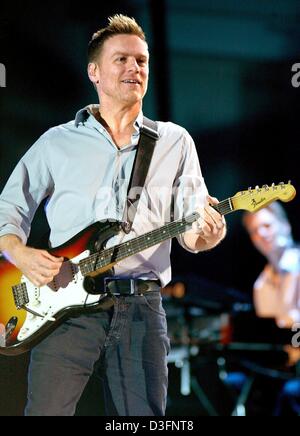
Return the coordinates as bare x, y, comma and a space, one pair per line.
142, 242
117, 251
154, 237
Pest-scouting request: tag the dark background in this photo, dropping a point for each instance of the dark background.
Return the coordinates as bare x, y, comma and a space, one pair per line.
220, 68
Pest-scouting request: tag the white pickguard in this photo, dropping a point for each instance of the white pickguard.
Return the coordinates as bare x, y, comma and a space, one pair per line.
65, 292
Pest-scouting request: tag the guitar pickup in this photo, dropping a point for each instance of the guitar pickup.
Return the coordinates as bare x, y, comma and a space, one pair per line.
20, 295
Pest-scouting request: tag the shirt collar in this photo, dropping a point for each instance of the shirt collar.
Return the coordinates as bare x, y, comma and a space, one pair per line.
84, 114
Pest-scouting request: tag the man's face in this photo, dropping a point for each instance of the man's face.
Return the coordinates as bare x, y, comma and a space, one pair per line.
124, 69
266, 231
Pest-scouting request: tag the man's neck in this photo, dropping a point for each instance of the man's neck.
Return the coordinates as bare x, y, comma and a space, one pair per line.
119, 120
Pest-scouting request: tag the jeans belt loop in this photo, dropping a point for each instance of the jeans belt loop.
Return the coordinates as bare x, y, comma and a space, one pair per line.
133, 289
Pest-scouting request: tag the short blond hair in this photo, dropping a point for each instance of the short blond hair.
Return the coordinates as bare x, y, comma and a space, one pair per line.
118, 25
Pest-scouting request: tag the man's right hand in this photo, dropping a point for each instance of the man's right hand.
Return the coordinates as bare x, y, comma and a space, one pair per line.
39, 266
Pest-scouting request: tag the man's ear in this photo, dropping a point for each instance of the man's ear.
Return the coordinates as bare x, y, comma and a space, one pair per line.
93, 72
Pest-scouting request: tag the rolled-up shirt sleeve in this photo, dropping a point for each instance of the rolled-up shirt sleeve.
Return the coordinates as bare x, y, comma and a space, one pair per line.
29, 184
190, 190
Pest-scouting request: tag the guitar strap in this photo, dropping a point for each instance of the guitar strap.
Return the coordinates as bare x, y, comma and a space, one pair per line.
148, 138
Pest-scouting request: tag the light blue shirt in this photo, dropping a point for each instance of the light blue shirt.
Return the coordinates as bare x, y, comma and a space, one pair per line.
84, 176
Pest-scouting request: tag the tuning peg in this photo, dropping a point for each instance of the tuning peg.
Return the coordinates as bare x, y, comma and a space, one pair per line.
289, 182
258, 188
274, 187
282, 185
250, 189
266, 187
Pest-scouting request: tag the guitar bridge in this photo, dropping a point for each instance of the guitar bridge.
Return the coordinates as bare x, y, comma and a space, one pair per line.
20, 295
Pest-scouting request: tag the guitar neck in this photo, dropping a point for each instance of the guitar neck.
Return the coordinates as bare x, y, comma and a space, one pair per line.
225, 207
122, 251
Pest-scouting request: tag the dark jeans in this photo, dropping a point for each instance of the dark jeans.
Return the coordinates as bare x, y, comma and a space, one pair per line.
130, 344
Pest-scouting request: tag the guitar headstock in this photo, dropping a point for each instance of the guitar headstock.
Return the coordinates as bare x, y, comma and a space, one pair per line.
258, 198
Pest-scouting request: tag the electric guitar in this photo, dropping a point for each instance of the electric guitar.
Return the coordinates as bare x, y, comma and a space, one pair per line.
28, 314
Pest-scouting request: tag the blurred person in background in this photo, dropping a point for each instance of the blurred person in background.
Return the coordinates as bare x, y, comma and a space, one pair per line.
277, 289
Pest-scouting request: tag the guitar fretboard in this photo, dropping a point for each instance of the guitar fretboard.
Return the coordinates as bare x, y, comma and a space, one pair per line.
224, 207
120, 252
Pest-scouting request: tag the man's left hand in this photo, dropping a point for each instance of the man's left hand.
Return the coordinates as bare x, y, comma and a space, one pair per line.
209, 230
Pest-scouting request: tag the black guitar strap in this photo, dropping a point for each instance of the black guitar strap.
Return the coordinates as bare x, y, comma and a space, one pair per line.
148, 138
